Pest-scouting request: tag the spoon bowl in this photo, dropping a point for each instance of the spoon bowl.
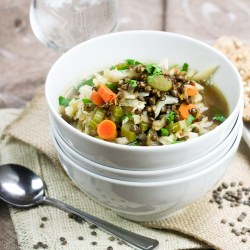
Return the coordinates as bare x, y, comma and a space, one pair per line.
21, 187
17, 190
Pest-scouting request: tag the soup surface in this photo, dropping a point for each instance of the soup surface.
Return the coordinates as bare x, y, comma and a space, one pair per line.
145, 104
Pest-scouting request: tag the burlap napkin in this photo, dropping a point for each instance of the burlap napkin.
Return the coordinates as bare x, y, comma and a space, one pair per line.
224, 226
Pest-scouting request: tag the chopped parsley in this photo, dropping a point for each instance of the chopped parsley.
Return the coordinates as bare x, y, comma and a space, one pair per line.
190, 119
128, 116
132, 83
184, 67
86, 101
219, 118
170, 117
132, 62
86, 82
111, 86
134, 143
128, 63
153, 69
64, 101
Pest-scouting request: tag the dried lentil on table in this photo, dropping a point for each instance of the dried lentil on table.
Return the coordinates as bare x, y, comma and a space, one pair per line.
234, 194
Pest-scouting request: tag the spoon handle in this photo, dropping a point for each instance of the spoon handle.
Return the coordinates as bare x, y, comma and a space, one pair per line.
133, 239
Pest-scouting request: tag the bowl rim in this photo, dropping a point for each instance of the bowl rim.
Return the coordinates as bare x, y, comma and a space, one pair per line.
159, 148
227, 155
59, 140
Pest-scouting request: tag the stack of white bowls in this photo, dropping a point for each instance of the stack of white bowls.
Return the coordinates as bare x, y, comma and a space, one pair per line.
144, 183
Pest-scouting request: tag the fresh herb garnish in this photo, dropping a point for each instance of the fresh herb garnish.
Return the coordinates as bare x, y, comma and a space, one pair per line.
128, 116
170, 117
174, 142
113, 67
153, 69
134, 143
132, 62
128, 63
190, 119
133, 83
86, 101
219, 118
64, 101
111, 86
164, 132
86, 82
184, 67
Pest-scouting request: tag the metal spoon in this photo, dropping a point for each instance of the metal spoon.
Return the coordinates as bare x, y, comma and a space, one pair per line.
21, 187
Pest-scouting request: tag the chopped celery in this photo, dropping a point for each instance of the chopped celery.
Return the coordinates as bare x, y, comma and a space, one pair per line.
125, 131
97, 118
143, 126
177, 126
116, 111
159, 82
204, 76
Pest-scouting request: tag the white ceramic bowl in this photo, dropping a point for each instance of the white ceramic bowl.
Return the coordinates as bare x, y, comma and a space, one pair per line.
146, 201
104, 51
150, 175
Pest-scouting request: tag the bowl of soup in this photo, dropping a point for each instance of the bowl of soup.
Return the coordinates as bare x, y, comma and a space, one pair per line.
181, 170
149, 200
143, 100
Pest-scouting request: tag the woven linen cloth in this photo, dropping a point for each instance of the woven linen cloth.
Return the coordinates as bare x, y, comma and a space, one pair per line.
27, 140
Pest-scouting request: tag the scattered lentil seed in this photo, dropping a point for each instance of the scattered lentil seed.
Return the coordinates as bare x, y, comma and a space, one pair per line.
109, 248
62, 238
111, 238
64, 242
120, 242
93, 243
80, 238
233, 184
42, 225
93, 233
44, 218
224, 185
35, 246
45, 246
223, 221
93, 226
39, 243
231, 224
244, 240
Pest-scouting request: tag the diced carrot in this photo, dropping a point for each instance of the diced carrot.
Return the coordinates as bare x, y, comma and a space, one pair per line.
96, 98
184, 110
192, 90
106, 94
106, 129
